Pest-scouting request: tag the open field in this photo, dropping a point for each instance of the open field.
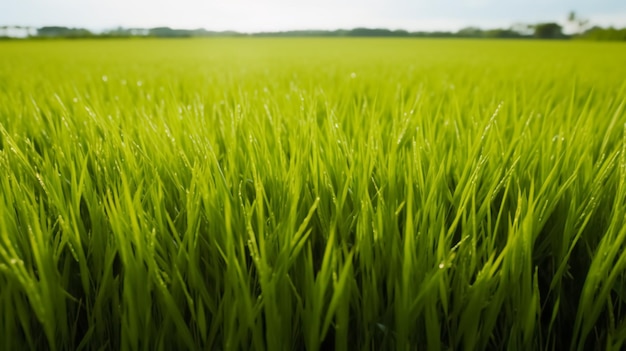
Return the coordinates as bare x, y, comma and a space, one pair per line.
277, 194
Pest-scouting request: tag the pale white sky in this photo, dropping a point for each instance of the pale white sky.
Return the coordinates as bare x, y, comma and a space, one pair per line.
271, 15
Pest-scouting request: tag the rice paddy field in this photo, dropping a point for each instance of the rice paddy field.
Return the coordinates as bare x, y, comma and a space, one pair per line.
312, 194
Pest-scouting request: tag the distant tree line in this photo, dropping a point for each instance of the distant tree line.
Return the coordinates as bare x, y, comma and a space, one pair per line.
549, 30
544, 30
64, 32
599, 33
595, 32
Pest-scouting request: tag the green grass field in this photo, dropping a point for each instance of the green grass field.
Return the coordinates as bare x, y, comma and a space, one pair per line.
290, 194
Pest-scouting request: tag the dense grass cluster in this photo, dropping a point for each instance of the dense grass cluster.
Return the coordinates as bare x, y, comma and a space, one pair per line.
237, 194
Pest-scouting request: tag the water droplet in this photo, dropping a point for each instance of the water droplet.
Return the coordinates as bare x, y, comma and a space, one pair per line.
442, 265
105, 79
353, 75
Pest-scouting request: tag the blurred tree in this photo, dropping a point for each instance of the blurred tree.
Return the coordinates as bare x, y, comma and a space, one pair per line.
599, 33
63, 32
502, 33
470, 32
370, 32
167, 32
548, 30
579, 23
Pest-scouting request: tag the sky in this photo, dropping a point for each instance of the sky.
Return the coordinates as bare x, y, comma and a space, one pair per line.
276, 15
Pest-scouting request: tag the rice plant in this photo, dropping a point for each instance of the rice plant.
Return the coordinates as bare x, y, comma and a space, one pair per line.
312, 194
